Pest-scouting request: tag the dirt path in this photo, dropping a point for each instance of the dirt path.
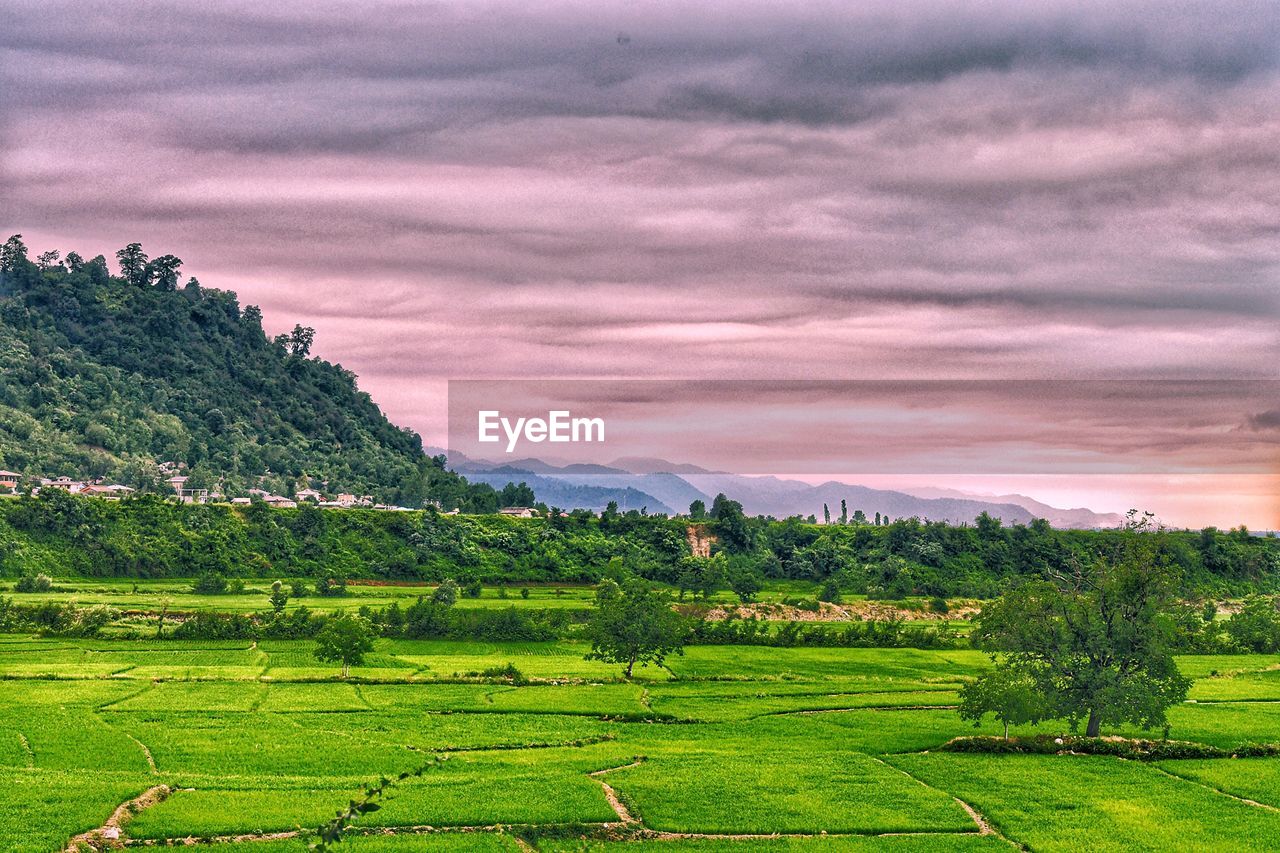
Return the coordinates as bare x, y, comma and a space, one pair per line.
110, 833
26, 747
1216, 790
619, 808
985, 826
151, 762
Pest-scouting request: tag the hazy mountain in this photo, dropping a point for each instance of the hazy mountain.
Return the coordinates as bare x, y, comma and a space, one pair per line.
670, 487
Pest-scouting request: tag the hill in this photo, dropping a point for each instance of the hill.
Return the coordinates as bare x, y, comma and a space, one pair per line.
106, 375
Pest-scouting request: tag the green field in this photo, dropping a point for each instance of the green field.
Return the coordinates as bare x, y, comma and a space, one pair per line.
823, 749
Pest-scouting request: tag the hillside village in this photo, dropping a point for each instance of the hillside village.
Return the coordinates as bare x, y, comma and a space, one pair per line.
176, 486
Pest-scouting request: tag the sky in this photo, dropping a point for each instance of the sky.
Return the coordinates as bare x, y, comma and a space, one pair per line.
977, 190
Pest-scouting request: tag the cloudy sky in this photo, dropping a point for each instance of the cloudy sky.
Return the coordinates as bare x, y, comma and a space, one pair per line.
657, 189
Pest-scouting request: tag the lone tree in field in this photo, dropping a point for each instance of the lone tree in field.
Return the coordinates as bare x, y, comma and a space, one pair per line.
345, 639
1008, 695
634, 623
1093, 645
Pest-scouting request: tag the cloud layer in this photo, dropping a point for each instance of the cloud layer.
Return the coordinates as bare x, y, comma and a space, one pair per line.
647, 189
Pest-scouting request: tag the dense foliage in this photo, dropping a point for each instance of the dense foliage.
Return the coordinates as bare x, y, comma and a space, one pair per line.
61, 535
107, 375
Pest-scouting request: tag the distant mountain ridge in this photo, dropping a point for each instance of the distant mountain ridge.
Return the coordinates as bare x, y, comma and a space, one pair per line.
661, 486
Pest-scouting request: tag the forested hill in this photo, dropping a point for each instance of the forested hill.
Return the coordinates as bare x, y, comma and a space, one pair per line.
107, 375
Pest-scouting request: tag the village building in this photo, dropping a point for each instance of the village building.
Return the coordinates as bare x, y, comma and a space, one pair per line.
309, 495
65, 483
517, 511
9, 480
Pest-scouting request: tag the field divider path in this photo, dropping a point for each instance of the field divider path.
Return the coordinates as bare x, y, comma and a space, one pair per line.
1215, 789
26, 747
110, 834
985, 827
625, 817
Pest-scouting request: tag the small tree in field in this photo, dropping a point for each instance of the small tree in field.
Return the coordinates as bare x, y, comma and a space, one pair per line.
345, 639
279, 598
634, 623
1010, 697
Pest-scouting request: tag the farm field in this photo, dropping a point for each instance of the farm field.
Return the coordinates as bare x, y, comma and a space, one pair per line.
150, 595
724, 749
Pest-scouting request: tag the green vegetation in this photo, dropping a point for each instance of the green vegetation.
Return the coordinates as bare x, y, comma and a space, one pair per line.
63, 536
104, 375
724, 742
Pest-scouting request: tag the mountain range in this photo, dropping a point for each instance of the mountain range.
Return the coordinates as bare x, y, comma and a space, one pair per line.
659, 486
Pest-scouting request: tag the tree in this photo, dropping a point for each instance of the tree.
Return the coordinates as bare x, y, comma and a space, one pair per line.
13, 255
697, 510
746, 582
826, 514
844, 511
446, 593
859, 517
300, 340
731, 524
133, 265
345, 639
1094, 645
634, 623
1010, 696
1256, 626
279, 598
164, 272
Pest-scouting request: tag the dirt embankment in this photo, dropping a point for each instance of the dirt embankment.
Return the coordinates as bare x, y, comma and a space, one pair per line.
849, 612
700, 540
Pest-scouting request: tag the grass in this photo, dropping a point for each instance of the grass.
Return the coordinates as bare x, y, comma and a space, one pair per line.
731, 741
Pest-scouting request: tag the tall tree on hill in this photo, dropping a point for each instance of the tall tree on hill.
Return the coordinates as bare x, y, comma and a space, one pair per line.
844, 511
826, 514
133, 265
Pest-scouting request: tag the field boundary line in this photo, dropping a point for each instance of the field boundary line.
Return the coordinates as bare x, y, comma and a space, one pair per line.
151, 761
111, 831
625, 817
1215, 789
150, 685
985, 827
26, 747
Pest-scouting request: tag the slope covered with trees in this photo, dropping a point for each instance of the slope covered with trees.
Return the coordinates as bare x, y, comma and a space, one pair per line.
106, 375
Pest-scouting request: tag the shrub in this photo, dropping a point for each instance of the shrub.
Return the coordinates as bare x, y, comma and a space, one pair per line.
472, 588
210, 583
939, 605
830, 592
33, 583
446, 593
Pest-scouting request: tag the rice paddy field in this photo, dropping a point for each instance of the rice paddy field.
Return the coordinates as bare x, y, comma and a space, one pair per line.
252, 746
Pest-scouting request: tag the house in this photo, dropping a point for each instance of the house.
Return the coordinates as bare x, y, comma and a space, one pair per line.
517, 511
9, 480
280, 502
65, 483
241, 501
309, 495
111, 492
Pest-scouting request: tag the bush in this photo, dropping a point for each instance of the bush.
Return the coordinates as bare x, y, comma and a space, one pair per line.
210, 583
830, 592
472, 588
506, 673
1137, 749
939, 605
33, 583
446, 594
